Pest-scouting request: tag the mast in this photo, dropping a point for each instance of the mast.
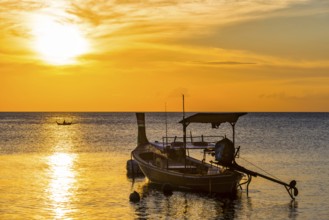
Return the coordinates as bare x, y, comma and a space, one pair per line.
184, 123
184, 131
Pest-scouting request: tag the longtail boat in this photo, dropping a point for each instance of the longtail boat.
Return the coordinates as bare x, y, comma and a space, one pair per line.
169, 163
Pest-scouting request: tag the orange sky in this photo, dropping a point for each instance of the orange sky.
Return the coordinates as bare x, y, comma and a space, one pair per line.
137, 55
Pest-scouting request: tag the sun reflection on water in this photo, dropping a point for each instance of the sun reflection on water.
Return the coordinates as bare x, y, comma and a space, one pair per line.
62, 172
61, 187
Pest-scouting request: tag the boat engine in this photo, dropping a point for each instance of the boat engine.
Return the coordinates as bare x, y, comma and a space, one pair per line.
224, 152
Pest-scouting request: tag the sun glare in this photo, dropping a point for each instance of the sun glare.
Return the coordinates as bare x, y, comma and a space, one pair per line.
58, 43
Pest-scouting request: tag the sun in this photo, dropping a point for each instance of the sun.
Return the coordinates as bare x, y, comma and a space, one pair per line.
57, 43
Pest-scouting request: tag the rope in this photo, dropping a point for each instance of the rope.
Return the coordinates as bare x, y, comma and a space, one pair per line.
261, 169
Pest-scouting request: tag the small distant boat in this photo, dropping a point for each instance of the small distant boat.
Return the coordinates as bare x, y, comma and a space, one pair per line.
64, 123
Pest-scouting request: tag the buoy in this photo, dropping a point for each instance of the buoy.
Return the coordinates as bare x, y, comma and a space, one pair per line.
167, 189
134, 197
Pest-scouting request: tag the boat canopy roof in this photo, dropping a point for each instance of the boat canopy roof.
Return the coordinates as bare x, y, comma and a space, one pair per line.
214, 118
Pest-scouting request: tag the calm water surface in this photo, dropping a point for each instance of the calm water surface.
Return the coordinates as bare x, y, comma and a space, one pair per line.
78, 172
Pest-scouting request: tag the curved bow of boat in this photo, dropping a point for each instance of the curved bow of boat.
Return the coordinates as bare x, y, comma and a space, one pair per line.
141, 138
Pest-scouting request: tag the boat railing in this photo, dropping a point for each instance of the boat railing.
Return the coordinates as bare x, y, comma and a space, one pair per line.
202, 140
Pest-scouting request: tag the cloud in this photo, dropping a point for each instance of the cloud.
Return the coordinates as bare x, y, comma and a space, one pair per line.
121, 24
9, 6
212, 33
222, 63
297, 31
303, 96
280, 95
176, 18
95, 13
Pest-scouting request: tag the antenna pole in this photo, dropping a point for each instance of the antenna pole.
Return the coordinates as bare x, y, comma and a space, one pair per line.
233, 128
183, 107
166, 124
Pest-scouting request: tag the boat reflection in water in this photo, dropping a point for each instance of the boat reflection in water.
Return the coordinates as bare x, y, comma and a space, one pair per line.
186, 204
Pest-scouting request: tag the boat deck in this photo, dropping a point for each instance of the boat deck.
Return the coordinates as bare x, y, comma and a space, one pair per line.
189, 145
177, 163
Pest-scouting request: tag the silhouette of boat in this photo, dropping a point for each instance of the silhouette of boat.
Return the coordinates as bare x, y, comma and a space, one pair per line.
169, 162
63, 123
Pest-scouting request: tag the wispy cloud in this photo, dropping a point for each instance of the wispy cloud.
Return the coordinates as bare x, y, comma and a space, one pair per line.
123, 22
10, 6
222, 63
193, 16
303, 96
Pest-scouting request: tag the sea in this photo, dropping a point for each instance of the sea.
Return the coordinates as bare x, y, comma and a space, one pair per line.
78, 171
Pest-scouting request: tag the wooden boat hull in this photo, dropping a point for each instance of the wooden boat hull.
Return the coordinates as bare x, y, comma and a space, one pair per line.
222, 183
